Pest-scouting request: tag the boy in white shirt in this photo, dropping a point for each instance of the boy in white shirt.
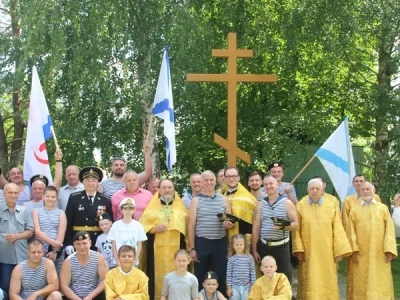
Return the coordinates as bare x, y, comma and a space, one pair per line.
127, 231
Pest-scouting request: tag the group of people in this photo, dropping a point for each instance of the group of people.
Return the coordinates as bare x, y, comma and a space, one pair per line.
114, 239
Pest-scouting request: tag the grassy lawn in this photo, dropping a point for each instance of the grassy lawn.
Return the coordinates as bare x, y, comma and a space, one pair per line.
395, 271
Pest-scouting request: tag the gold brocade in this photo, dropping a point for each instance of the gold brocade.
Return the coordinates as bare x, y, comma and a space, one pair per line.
321, 237
243, 204
372, 233
276, 288
165, 243
349, 201
133, 286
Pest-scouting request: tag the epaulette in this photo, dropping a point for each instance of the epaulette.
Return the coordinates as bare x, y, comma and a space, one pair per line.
76, 193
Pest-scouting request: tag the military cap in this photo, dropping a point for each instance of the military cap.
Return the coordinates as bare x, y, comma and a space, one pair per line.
91, 172
105, 216
40, 177
227, 217
280, 222
127, 202
211, 275
80, 236
275, 164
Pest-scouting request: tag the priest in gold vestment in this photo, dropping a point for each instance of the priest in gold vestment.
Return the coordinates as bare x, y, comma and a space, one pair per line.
165, 222
373, 240
242, 203
319, 243
351, 199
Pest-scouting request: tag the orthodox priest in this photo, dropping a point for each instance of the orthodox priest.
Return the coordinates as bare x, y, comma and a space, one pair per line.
165, 222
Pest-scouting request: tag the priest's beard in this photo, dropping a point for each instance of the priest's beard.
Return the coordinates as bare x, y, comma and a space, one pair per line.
168, 198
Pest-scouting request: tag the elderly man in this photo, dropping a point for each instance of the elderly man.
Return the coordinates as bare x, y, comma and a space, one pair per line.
373, 240
153, 185
195, 186
15, 229
36, 277
269, 239
319, 243
16, 176
38, 183
83, 273
73, 185
133, 190
242, 203
255, 183
111, 185
352, 199
165, 222
285, 188
85, 208
207, 235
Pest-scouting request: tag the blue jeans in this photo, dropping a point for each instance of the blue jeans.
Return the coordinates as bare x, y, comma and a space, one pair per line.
212, 255
5, 277
240, 292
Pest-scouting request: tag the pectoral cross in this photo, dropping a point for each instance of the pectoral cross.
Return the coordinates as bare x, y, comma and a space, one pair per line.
232, 78
167, 212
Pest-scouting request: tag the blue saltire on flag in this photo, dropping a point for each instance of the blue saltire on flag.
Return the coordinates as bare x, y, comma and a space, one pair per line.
163, 108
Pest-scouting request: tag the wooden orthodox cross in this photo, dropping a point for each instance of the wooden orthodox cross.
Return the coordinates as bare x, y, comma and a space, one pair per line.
232, 78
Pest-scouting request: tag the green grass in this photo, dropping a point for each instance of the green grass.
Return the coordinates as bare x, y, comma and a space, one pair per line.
395, 271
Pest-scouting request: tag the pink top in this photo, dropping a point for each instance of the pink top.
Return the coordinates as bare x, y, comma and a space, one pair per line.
142, 197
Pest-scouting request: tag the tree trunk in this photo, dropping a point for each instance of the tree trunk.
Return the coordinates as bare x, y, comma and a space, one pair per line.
386, 68
16, 143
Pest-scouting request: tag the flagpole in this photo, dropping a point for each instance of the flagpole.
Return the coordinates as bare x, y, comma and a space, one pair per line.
55, 138
149, 129
302, 170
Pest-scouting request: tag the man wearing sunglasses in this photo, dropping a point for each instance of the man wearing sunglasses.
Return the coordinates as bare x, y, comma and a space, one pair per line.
111, 185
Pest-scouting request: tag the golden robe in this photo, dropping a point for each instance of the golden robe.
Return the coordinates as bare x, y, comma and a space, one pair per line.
276, 288
175, 216
350, 201
243, 204
133, 286
321, 237
372, 233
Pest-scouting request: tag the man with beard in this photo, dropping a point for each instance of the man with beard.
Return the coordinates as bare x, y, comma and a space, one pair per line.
165, 222
242, 203
133, 190
85, 208
195, 186
353, 198
373, 240
255, 184
111, 185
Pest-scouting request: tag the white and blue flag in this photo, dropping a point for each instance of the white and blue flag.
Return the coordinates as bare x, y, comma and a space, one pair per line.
36, 160
163, 108
336, 155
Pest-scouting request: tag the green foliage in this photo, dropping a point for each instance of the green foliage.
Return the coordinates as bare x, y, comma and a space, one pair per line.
99, 63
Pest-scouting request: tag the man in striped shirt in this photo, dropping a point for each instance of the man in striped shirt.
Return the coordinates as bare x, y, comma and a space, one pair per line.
35, 277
